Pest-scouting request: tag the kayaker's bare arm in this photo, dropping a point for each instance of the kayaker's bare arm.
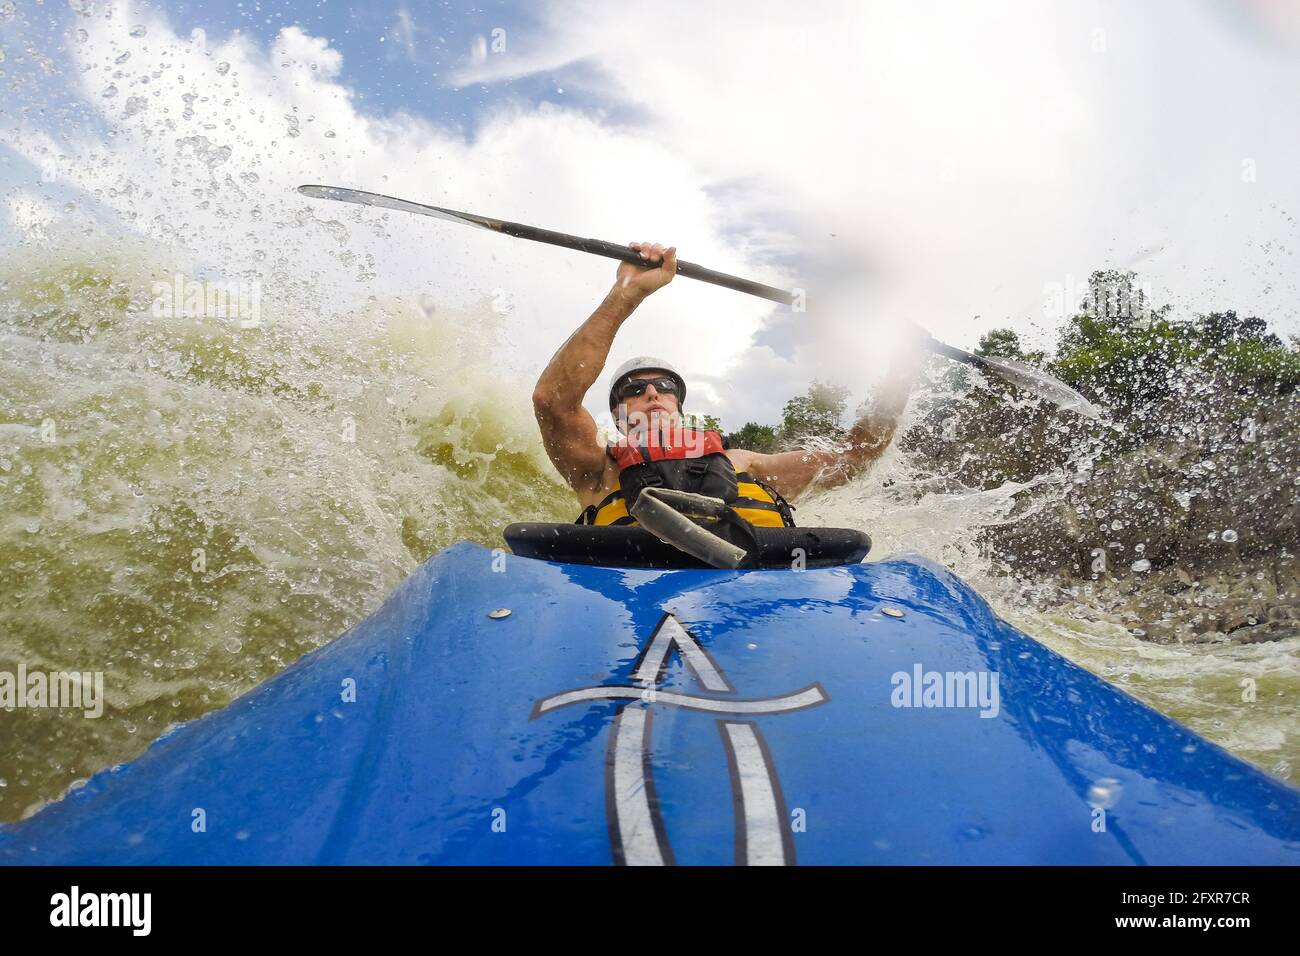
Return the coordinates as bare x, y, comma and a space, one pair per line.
794, 472
568, 430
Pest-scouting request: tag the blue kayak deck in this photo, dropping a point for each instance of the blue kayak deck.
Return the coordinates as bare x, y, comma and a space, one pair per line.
688, 716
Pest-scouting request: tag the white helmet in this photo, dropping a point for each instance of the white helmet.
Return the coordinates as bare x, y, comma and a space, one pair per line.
645, 363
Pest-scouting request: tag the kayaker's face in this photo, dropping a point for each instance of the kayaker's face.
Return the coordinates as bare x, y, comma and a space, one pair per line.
651, 408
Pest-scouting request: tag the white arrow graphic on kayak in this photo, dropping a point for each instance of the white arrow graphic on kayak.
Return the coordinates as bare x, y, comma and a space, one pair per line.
637, 833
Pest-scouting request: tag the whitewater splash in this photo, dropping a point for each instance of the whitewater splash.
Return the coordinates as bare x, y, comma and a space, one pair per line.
191, 505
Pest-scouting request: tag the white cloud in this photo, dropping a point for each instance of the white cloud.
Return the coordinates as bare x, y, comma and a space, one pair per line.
403, 35
966, 155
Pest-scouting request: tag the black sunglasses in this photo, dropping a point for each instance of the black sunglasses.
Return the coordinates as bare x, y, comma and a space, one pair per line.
637, 386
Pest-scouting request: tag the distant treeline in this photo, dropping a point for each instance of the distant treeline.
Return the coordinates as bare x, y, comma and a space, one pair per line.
1117, 350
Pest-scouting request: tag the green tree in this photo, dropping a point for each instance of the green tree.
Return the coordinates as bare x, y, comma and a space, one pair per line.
754, 437
814, 415
709, 423
1116, 297
1004, 343
1000, 343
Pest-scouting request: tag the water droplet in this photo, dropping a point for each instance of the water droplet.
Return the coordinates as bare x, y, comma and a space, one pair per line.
1105, 793
891, 611
1229, 536
223, 68
138, 30
499, 613
1141, 564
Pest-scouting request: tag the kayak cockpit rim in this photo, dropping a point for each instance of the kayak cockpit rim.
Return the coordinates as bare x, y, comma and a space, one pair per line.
635, 547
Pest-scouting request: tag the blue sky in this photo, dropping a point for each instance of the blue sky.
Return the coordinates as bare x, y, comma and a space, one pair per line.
398, 56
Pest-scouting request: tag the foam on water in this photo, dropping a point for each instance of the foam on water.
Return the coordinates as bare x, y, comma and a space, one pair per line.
189, 506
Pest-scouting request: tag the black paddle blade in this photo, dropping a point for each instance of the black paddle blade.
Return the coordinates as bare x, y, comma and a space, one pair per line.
363, 198
1032, 380
1041, 384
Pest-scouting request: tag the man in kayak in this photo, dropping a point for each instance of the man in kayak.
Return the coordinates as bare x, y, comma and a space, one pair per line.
658, 449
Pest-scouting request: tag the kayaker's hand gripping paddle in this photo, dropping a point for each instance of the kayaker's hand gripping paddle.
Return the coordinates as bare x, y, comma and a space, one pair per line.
1023, 376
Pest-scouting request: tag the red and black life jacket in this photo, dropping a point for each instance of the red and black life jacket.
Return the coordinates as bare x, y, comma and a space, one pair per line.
691, 460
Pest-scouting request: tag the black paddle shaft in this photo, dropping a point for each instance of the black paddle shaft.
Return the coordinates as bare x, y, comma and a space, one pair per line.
612, 250
956, 354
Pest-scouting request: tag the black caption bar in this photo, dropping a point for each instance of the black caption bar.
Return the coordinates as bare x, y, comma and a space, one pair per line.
334, 905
